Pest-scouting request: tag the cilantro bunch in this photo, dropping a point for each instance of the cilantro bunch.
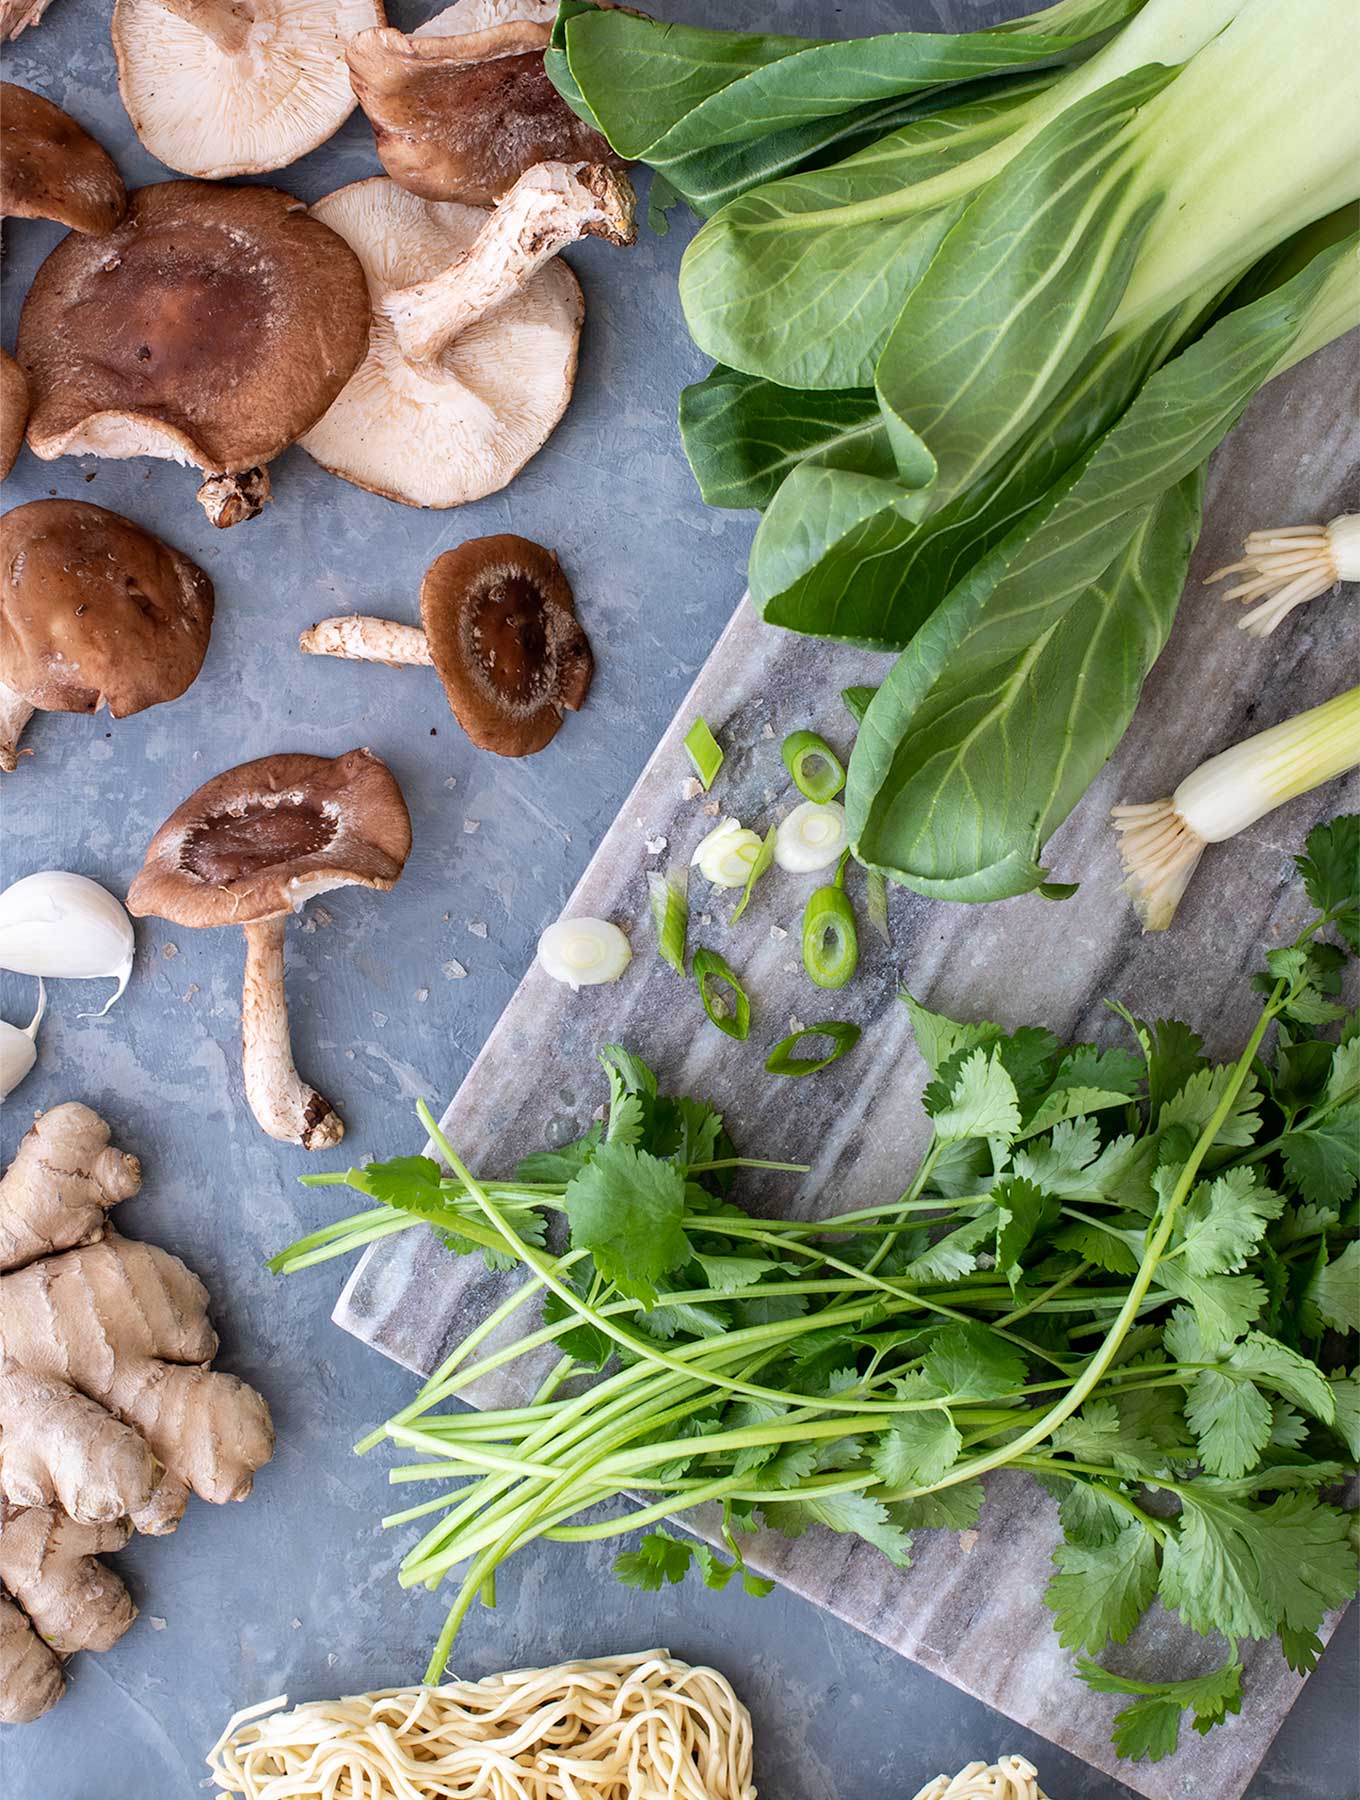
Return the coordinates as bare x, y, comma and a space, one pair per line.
1131, 1272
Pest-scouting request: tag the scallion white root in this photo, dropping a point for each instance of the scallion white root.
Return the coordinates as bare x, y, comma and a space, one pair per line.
584, 952
728, 854
1287, 567
811, 838
1164, 840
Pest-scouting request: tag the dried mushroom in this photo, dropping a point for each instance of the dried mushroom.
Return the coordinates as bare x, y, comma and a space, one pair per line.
13, 411
476, 321
94, 612
502, 633
249, 848
462, 107
213, 327
51, 168
233, 87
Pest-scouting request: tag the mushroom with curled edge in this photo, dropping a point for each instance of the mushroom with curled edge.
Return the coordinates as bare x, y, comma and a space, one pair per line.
249, 848
502, 633
463, 106
233, 87
476, 320
51, 168
13, 411
212, 327
94, 612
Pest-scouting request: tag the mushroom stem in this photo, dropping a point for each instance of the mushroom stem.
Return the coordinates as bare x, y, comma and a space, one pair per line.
231, 499
282, 1102
550, 206
15, 713
226, 22
368, 640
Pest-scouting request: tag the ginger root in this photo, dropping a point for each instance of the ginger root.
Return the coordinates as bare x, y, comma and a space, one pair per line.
109, 1413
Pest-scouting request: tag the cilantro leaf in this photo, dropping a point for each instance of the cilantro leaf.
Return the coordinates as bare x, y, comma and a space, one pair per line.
917, 1448
1346, 1393
1323, 1160
405, 1181
1223, 1220
1224, 1304
558, 1166
658, 1559
1330, 867
956, 1508
853, 1513
955, 1254
1102, 1590
1230, 1419
970, 1362
939, 1038
1023, 1212
1198, 1099
1150, 1728
982, 1101
626, 1208
1334, 1291
1098, 1434
1104, 1245
1171, 1051
1071, 1103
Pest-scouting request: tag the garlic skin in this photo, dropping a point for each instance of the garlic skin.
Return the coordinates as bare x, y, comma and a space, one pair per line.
584, 952
67, 927
725, 856
811, 838
19, 1047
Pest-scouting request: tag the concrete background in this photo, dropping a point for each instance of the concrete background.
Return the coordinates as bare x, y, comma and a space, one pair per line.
294, 1591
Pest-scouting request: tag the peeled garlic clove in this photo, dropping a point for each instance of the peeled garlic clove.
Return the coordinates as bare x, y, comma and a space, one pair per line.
725, 856
811, 838
67, 927
584, 952
19, 1047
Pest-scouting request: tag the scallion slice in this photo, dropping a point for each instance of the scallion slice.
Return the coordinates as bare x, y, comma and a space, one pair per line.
670, 914
764, 857
782, 1061
817, 771
736, 1022
830, 940
704, 751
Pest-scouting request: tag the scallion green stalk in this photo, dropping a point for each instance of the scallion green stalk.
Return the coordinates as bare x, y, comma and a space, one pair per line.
669, 895
704, 751
830, 940
764, 857
783, 1059
708, 967
815, 769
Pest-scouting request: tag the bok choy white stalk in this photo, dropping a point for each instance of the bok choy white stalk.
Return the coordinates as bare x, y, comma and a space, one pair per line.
1162, 842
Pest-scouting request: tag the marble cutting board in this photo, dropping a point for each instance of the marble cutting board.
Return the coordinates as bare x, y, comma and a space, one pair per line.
969, 1609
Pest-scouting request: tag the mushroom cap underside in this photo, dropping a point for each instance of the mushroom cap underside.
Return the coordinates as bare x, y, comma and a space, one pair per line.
95, 611
460, 427
212, 327
51, 168
212, 109
257, 841
13, 411
501, 623
461, 117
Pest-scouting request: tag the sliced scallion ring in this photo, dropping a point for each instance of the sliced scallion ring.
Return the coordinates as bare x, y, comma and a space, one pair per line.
704, 751
727, 855
817, 771
764, 858
670, 914
782, 1061
583, 952
830, 940
736, 1021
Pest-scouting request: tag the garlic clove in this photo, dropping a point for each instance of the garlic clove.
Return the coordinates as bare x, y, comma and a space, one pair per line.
19, 1047
67, 927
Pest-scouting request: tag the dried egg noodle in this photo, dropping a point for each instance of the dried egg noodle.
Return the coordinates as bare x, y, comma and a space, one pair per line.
624, 1728
1010, 1779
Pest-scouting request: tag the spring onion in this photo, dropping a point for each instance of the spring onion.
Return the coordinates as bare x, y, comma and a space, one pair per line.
876, 903
758, 868
583, 952
728, 854
704, 751
857, 700
669, 895
817, 771
1287, 567
1163, 841
736, 1019
830, 940
811, 838
782, 1061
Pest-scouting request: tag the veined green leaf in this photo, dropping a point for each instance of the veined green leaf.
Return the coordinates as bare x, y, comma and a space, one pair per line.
743, 435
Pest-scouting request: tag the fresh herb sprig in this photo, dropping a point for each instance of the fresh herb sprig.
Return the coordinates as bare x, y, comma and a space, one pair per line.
1131, 1273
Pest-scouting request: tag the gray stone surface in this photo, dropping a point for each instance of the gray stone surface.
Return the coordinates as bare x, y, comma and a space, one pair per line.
294, 1591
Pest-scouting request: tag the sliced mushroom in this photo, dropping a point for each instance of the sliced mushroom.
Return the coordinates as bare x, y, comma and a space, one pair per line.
472, 354
51, 168
252, 846
213, 327
502, 633
94, 612
231, 87
462, 107
13, 411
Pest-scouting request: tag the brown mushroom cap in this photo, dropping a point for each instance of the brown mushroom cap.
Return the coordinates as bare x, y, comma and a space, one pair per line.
502, 628
51, 168
257, 841
231, 87
461, 108
95, 611
13, 411
214, 326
